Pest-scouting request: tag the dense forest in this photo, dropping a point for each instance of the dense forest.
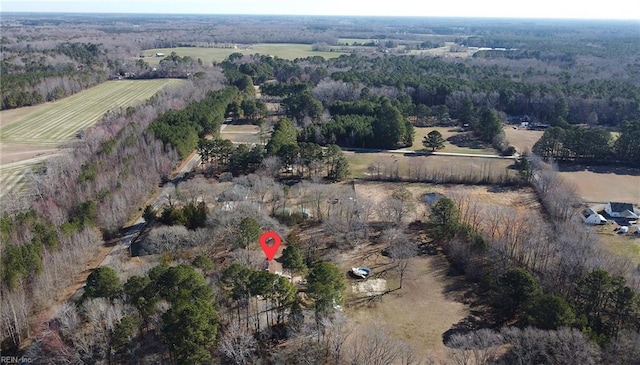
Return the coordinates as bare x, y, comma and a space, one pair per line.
543, 288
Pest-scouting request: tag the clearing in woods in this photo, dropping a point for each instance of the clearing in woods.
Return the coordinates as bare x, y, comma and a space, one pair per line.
29, 135
211, 54
431, 300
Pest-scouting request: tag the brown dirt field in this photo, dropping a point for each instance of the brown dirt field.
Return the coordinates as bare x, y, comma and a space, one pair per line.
521, 138
359, 162
606, 185
11, 152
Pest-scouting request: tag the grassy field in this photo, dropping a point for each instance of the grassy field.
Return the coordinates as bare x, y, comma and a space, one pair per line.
359, 163
29, 135
627, 246
60, 121
450, 134
521, 138
604, 184
210, 54
246, 133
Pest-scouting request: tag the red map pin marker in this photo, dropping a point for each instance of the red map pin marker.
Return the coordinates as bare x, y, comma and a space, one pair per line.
270, 251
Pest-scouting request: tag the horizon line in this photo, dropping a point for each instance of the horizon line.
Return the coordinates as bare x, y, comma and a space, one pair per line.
46, 12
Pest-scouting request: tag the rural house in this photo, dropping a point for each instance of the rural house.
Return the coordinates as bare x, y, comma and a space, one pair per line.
620, 210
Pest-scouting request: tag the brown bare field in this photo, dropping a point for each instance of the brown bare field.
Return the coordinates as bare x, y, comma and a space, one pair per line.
521, 138
14, 152
360, 162
604, 184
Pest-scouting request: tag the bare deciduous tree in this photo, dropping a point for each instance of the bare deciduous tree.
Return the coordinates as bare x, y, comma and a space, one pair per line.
373, 345
238, 345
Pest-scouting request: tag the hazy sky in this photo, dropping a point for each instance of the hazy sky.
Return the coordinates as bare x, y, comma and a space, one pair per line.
590, 9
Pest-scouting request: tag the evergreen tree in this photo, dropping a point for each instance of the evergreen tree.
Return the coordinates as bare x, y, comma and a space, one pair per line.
337, 164
248, 232
433, 140
325, 286
103, 282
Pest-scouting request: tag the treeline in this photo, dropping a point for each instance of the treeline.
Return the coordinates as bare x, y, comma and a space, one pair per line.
33, 76
182, 129
432, 82
591, 145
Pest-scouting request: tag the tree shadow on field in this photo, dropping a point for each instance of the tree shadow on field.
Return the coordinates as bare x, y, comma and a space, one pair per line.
466, 140
600, 169
470, 323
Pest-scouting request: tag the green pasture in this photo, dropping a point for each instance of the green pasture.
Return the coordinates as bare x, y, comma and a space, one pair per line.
61, 120
210, 54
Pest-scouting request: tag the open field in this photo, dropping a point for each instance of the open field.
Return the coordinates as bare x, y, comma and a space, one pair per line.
210, 54
362, 164
60, 121
445, 51
30, 135
241, 133
419, 313
604, 184
627, 246
521, 138
450, 134
13, 175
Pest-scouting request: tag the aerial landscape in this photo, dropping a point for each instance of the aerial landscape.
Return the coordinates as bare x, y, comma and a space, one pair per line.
310, 186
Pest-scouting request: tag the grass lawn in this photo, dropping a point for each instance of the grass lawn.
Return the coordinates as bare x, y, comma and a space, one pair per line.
243, 133
210, 54
627, 246
450, 134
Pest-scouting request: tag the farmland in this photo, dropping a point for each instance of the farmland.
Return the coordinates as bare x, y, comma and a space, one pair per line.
62, 120
212, 54
31, 134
